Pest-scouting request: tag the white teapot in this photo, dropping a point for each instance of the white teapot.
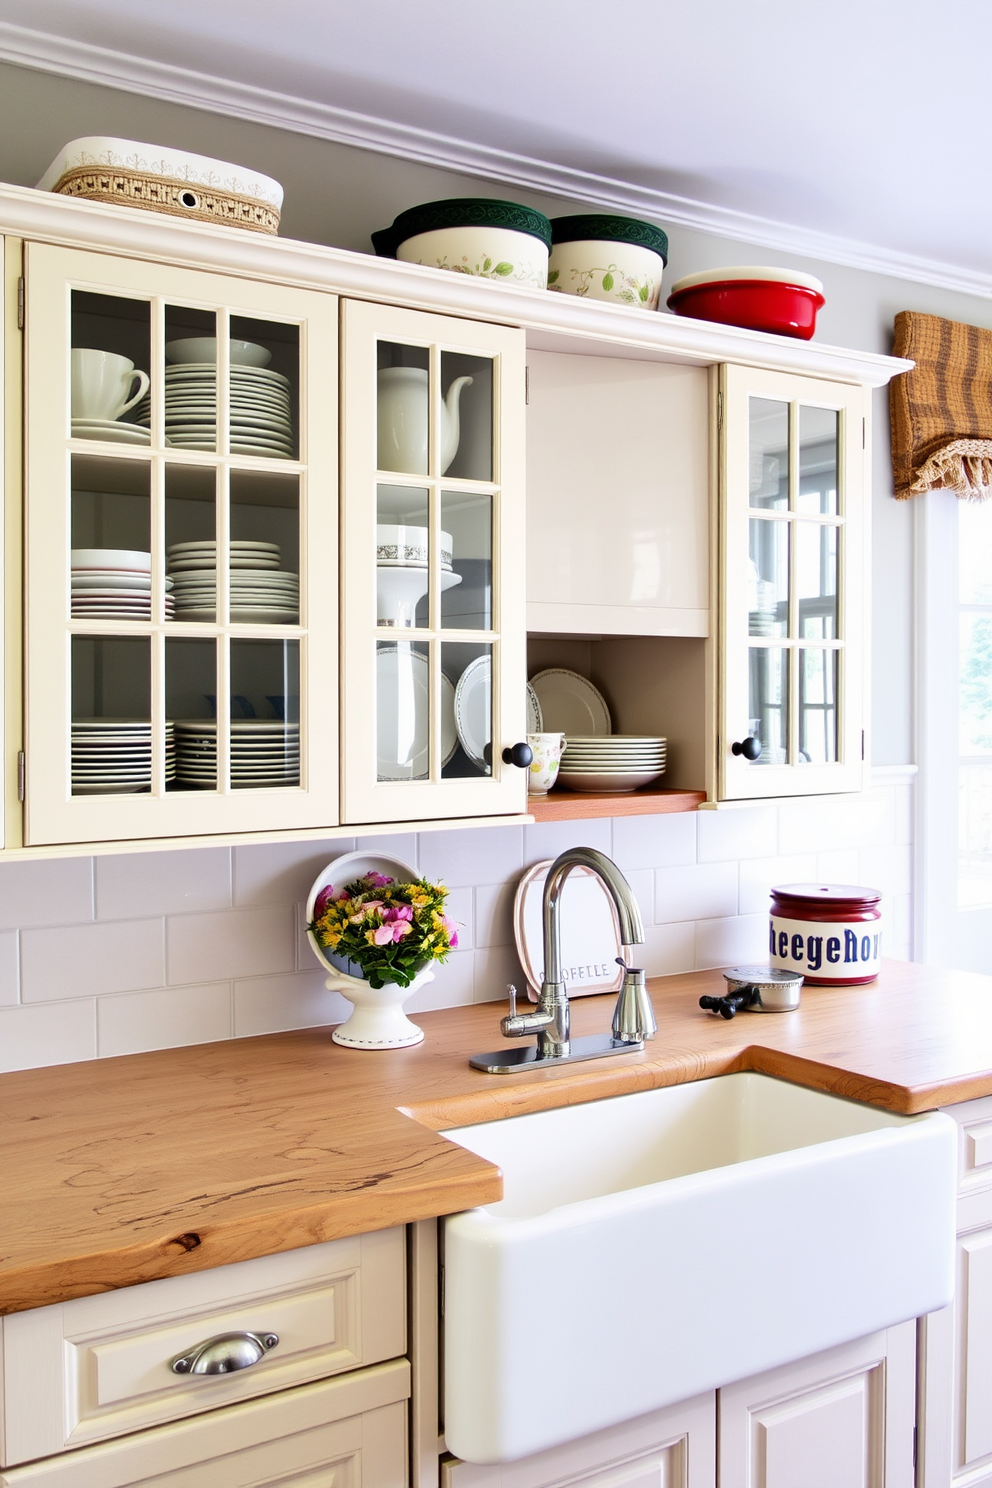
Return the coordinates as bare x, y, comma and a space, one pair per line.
404, 400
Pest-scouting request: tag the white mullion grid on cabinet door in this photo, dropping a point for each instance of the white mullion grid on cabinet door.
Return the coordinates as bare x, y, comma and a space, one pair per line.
156, 371
223, 380
158, 633
223, 617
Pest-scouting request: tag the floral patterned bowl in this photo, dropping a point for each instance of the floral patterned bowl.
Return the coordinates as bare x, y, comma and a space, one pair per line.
604, 257
489, 239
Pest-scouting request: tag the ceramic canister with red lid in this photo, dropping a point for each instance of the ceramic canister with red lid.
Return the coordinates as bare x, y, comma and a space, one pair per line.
830, 933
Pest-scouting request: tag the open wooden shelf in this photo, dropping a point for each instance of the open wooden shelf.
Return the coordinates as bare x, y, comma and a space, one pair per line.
565, 805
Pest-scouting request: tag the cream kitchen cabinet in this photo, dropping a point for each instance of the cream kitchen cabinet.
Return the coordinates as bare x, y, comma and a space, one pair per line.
956, 1343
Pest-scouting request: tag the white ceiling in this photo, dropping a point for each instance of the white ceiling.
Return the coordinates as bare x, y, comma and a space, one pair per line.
856, 124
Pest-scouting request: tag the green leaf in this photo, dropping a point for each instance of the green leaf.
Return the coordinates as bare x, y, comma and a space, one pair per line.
553, 275
643, 292
607, 282
487, 265
503, 269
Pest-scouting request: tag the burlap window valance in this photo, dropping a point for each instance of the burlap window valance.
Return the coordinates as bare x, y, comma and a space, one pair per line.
942, 409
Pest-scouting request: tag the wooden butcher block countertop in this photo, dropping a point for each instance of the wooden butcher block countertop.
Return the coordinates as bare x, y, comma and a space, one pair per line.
124, 1170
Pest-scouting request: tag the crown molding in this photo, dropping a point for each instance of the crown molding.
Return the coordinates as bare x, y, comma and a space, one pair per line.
44, 52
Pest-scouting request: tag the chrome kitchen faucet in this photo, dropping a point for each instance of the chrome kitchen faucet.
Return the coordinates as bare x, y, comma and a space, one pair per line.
633, 1017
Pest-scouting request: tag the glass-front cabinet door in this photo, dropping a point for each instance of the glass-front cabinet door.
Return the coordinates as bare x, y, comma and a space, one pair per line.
181, 544
791, 553
433, 645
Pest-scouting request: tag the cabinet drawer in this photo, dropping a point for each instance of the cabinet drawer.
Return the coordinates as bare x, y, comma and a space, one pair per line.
974, 1122
344, 1433
100, 1366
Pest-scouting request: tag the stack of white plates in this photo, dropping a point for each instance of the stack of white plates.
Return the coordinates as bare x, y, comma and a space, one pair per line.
612, 762
263, 752
114, 755
262, 593
117, 431
114, 583
261, 410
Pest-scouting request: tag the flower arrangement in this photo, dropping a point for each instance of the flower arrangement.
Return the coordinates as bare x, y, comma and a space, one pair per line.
391, 930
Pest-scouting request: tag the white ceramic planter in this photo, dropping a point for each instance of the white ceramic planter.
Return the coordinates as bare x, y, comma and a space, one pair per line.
378, 1020
598, 269
497, 253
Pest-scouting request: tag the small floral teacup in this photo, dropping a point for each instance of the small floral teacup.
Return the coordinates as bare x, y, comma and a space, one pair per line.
548, 750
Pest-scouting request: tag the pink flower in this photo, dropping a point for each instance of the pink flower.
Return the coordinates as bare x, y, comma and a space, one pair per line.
400, 928
383, 936
323, 899
377, 880
404, 912
452, 928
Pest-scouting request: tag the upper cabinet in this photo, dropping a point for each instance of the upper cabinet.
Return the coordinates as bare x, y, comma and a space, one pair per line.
792, 625
181, 544
432, 580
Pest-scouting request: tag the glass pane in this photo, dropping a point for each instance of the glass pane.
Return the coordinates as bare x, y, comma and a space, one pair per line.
768, 422
466, 561
265, 714
975, 552
265, 385
818, 706
768, 702
974, 834
466, 710
402, 702
816, 580
265, 548
402, 548
975, 688
111, 715
466, 416
190, 378
768, 578
191, 706
403, 400
190, 542
818, 460
110, 365
111, 539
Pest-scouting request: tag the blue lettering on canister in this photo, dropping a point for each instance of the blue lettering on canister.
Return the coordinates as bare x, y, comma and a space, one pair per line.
814, 944
850, 946
833, 949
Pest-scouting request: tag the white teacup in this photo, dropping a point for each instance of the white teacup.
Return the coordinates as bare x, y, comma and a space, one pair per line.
102, 383
548, 750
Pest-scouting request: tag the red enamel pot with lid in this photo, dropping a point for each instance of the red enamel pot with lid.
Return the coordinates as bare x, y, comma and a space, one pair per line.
783, 301
831, 933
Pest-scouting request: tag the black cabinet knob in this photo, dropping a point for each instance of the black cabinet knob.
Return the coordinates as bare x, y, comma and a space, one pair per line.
750, 747
518, 754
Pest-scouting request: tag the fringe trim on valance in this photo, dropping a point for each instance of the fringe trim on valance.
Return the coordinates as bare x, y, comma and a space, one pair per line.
963, 466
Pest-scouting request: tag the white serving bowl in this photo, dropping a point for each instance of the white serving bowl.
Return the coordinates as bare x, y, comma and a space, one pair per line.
607, 780
497, 253
204, 349
600, 256
110, 558
407, 544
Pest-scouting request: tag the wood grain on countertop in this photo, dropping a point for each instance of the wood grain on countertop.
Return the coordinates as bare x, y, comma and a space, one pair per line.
123, 1170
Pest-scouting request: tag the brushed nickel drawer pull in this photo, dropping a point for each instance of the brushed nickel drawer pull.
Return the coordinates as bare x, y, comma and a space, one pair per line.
225, 1353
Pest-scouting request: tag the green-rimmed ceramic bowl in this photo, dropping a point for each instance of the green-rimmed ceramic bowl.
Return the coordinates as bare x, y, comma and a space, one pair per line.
472, 235
603, 257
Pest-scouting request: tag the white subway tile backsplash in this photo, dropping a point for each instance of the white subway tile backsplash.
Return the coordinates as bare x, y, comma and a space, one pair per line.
887, 868
471, 856
131, 1023
654, 841
453, 985
760, 875
696, 891
231, 943
495, 966
548, 839
55, 892
841, 866
402, 845
737, 942
460, 906
667, 949
49, 1033
87, 960
742, 832
274, 1003
641, 882
494, 913
283, 872
163, 883
9, 970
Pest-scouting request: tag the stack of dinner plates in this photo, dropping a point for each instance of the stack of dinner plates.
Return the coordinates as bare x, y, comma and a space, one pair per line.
115, 755
262, 592
113, 583
611, 762
260, 408
263, 752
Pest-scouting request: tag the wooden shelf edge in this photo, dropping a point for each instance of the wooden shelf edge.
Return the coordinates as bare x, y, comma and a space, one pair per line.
562, 805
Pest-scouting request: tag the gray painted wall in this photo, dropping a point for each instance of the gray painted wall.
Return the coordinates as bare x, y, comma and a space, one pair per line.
336, 194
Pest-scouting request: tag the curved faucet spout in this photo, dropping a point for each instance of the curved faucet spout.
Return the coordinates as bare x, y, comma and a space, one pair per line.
628, 913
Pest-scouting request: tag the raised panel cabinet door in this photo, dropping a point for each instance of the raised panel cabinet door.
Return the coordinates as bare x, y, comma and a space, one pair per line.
433, 657
181, 551
670, 1448
791, 580
841, 1419
344, 1433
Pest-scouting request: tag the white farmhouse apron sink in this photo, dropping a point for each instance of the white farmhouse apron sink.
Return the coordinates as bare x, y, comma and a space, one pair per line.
656, 1245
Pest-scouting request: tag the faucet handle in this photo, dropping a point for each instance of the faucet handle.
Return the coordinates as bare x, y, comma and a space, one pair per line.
511, 993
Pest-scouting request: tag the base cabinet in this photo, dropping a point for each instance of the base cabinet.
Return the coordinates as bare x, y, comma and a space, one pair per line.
344, 1433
